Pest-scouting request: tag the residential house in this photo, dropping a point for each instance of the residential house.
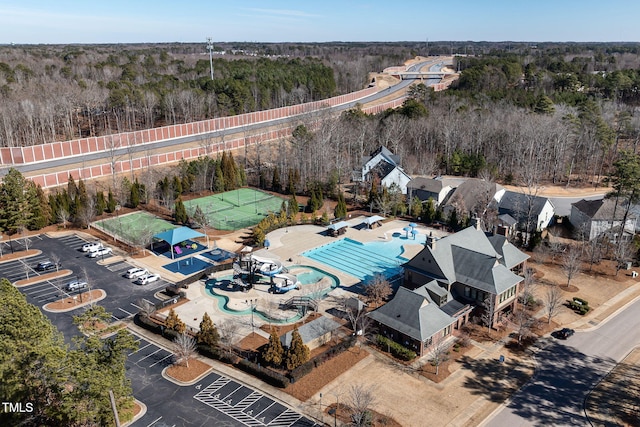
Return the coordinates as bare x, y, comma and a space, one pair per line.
384, 167
594, 218
532, 213
473, 196
431, 188
475, 268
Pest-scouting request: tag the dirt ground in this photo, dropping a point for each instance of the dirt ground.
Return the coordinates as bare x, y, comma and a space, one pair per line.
71, 303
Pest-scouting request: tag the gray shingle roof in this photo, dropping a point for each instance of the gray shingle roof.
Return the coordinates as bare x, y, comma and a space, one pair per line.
413, 314
312, 330
469, 257
517, 204
511, 256
601, 209
473, 194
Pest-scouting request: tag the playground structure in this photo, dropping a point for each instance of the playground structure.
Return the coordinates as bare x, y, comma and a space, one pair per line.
247, 270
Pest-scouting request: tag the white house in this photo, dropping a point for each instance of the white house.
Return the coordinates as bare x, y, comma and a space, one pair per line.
524, 207
597, 217
384, 166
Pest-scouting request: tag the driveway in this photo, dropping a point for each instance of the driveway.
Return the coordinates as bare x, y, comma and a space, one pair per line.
566, 372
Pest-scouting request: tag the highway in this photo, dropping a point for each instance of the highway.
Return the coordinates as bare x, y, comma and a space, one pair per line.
71, 163
566, 372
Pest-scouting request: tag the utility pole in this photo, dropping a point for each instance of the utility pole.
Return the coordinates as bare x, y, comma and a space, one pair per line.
210, 47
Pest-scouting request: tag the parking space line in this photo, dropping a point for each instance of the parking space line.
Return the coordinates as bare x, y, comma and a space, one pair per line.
154, 421
122, 309
161, 360
149, 355
261, 412
141, 348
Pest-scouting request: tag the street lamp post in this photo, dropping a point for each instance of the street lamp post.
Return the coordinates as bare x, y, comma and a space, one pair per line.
335, 412
252, 303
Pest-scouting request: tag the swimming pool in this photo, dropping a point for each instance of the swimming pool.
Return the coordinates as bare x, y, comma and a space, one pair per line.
364, 260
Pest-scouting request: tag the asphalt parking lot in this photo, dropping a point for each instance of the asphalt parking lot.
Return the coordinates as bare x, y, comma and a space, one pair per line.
214, 400
123, 296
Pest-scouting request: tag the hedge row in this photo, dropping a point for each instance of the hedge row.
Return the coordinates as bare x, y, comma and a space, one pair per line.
397, 350
330, 353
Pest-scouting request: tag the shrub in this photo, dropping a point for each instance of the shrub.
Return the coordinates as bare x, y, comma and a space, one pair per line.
397, 350
267, 375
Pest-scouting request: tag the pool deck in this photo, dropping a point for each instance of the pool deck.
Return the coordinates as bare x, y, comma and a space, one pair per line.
286, 245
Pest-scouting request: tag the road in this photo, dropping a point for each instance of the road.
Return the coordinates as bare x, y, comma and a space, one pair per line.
566, 372
75, 162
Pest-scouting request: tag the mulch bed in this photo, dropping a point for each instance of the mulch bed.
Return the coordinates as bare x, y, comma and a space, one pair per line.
312, 383
187, 374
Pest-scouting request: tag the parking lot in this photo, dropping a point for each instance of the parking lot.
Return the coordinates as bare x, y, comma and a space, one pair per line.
123, 296
214, 400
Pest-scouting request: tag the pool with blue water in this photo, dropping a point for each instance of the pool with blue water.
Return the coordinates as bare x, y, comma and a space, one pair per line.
365, 260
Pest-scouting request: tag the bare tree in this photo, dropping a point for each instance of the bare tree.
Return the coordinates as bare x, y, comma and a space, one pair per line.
621, 253
489, 305
529, 286
571, 263
523, 322
88, 212
146, 308
56, 260
378, 289
360, 399
184, 348
593, 249
439, 352
25, 237
63, 217
552, 301
228, 330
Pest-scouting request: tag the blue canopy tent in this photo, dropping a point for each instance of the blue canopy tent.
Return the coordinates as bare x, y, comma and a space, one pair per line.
177, 235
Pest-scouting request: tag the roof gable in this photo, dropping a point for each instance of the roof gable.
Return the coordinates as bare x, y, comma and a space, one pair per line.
601, 209
517, 204
413, 314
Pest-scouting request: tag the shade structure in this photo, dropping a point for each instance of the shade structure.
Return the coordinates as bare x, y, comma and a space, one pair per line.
413, 225
414, 232
407, 230
177, 235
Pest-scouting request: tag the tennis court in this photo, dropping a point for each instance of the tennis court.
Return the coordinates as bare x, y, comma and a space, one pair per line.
134, 228
236, 209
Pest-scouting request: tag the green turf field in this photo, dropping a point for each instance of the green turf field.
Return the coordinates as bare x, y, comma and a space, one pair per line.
236, 209
133, 228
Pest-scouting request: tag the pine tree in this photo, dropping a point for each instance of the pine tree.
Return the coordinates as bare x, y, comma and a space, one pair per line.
298, 352
292, 207
208, 333
180, 214
274, 352
111, 202
218, 186
134, 197
101, 203
275, 180
341, 208
174, 323
416, 207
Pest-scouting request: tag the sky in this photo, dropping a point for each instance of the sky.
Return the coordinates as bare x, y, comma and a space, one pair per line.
153, 21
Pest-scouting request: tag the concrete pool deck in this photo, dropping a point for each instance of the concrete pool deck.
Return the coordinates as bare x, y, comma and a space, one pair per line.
287, 245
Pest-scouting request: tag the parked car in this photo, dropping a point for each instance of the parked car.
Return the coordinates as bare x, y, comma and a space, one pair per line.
47, 265
76, 285
564, 333
91, 246
147, 278
100, 252
132, 273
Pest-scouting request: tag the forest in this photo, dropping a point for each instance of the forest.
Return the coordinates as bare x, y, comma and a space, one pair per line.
519, 113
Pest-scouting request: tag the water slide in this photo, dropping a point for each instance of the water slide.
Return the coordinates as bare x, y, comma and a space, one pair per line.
239, 270
287, 283
268, 267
